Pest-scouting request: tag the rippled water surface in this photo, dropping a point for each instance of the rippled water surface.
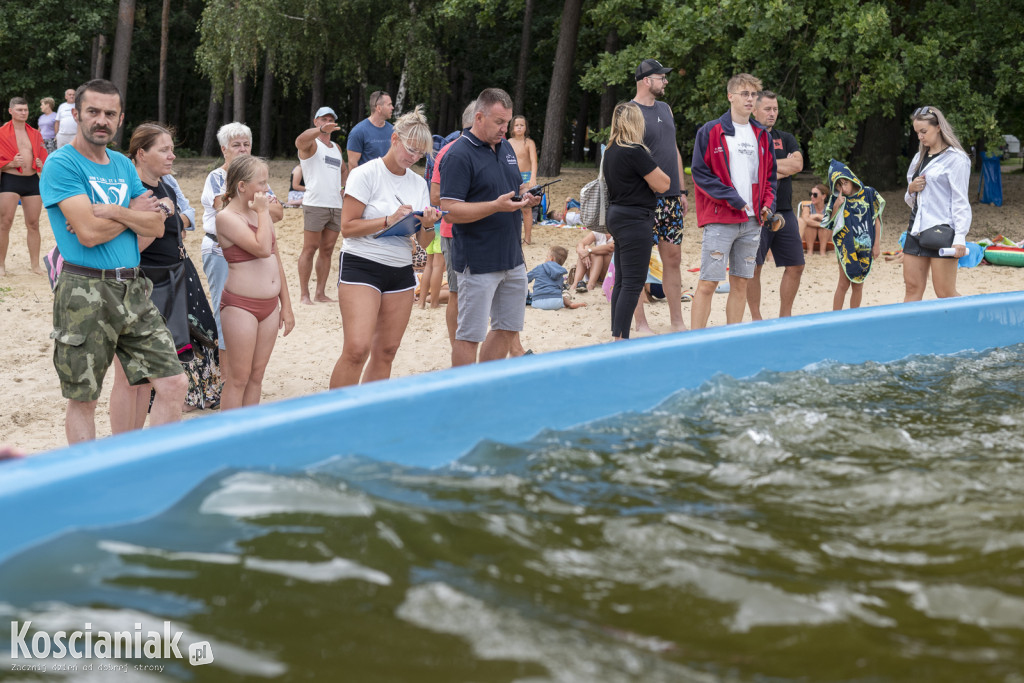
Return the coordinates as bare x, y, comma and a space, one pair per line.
843, 523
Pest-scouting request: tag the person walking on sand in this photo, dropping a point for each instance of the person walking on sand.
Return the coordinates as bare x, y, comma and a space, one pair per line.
322, 170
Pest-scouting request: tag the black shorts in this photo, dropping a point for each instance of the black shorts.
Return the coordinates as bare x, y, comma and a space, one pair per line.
356, 270
21, 185
786, 245
913, 248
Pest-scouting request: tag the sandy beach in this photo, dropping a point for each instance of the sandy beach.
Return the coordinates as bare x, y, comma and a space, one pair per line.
32, 417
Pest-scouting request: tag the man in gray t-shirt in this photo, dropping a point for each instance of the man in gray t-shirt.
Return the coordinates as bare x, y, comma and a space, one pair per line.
660, 138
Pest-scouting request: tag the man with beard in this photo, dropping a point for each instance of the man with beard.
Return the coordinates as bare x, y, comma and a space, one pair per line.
98, 210
660, 139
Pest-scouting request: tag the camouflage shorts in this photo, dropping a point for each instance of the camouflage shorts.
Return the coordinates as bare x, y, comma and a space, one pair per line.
94, 319
668, 220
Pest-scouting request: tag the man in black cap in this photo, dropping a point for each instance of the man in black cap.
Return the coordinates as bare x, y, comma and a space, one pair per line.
660, 138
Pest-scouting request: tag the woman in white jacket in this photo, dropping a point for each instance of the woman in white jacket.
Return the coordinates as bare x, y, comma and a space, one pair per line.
937, 183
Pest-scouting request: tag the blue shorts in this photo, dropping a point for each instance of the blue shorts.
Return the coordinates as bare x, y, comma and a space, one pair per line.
786, 245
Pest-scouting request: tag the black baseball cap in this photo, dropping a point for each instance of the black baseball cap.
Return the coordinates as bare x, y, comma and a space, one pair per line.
649, 67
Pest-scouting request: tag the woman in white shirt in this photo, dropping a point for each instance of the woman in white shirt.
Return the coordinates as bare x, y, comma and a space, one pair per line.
376, 282
937, 183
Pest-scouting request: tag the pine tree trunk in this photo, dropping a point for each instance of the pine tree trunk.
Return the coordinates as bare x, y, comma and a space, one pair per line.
161, 92
97, 68
519, 99
122, 53
266, 105
550, 163
210, 147
228, 108
317, 88
239, 95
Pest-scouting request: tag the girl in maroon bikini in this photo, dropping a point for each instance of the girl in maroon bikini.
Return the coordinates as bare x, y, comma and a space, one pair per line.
256, 284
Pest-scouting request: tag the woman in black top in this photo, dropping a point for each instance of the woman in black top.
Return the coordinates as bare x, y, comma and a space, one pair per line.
152, 150
632, 177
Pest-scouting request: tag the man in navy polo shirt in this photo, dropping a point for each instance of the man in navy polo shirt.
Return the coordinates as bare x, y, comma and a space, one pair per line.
479, 177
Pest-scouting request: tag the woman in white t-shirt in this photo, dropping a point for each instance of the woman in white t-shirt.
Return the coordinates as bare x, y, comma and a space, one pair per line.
376, 282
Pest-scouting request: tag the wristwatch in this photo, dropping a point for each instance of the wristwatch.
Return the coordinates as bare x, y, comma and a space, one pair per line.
589, 250
686, 192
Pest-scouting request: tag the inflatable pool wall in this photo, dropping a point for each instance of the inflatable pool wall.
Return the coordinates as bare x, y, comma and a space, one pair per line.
433, 418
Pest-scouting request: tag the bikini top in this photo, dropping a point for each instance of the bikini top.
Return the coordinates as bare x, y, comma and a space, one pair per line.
235, 254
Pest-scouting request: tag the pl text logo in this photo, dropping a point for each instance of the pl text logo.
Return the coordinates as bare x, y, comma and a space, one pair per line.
100, 644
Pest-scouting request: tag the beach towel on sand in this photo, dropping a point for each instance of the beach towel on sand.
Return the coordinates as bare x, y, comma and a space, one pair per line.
853, 226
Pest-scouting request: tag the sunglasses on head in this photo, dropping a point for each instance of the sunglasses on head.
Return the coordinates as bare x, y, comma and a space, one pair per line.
923, 111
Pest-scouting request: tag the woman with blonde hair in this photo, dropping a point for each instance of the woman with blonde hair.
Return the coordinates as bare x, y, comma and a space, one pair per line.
256, 284
940, 210
376, 282
632, 177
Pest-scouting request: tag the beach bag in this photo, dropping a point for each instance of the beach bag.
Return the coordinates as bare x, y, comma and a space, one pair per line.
594, 203
171, 298
936, 237
54, 263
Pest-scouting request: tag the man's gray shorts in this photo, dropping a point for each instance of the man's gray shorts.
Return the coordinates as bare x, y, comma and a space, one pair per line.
500, 296
216, 269
453, 277
729, 244
316, 218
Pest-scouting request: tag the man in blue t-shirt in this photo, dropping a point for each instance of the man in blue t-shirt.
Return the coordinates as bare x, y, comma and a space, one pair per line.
371, 137
479, 177
98, 209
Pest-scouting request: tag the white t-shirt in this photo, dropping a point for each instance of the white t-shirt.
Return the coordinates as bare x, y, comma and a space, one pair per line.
743, 162
379, 189
68, 125
214, 186
321, 174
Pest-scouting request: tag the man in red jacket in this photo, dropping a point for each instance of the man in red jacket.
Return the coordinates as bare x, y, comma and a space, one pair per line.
21, 159
735, 181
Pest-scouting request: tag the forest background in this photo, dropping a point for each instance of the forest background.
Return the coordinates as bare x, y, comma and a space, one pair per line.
848, 74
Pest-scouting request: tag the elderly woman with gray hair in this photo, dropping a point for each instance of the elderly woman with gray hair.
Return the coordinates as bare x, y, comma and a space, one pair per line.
235, 140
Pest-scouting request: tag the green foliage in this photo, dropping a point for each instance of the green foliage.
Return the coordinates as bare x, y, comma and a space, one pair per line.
835, 64
45, 45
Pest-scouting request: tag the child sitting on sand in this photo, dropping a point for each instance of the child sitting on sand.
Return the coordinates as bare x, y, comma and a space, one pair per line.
853, 213
548, 279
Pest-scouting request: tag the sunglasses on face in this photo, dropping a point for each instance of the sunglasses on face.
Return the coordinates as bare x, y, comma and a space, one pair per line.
815, 194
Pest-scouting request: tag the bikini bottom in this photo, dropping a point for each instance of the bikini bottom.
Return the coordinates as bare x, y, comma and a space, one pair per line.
261, 308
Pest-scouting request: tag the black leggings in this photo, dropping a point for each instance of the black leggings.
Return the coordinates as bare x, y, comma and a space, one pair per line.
633, 230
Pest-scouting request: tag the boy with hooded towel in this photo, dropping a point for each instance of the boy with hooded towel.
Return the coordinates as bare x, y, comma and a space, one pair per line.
853, 213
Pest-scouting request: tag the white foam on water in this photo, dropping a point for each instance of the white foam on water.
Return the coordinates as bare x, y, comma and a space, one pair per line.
258, 494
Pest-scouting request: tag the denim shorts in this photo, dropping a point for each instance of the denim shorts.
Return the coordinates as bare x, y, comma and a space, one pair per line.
499, 297
729, 244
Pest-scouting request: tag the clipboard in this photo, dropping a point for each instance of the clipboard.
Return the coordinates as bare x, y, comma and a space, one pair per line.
409, 225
